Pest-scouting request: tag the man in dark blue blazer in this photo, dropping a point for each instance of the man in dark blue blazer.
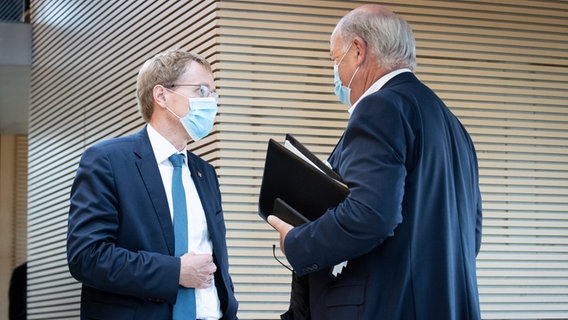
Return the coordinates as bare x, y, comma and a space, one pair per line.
120, 241
403, 244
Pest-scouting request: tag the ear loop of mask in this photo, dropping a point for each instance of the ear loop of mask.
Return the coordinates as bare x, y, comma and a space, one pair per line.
347, 51
188, 106
354, 73
341, 60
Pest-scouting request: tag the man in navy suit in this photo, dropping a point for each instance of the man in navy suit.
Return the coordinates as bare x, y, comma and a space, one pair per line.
403, 244
120, 242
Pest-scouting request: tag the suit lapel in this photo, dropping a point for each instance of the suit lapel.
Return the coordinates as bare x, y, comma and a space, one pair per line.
148, 169
335, 155
207, 200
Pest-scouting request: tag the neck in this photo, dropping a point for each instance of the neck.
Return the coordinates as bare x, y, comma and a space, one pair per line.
368, 76
176, 135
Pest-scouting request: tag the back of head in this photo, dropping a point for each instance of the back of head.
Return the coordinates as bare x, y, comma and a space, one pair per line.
164, 69
387, 35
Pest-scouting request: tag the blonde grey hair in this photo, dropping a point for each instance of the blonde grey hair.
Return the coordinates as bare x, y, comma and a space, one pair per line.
162, 69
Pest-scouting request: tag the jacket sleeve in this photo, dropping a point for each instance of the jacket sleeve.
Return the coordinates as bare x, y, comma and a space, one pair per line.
94, 254
373, 167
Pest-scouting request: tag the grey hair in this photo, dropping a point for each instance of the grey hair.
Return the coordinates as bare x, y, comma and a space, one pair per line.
387, 35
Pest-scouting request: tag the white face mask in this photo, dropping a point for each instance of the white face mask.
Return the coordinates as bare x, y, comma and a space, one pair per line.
201, 116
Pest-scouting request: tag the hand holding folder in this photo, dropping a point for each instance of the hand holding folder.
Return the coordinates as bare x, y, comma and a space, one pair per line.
297, 188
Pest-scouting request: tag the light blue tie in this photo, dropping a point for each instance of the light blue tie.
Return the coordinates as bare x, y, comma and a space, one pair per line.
184, 308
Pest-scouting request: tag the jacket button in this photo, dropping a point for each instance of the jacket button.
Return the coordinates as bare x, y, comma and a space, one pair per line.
311, 268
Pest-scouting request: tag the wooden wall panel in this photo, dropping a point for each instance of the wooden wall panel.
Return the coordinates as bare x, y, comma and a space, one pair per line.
86, 58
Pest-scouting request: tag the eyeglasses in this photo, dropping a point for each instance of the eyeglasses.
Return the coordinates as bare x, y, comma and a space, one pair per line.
203, 90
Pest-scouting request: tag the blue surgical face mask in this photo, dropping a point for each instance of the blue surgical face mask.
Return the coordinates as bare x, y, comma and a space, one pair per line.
342, 92
199, 121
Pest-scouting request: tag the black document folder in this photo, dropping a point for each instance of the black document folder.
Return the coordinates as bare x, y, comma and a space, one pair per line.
312, 157
294, 189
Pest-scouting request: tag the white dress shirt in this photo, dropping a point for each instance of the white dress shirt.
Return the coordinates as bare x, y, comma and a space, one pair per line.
378, 85
207, 300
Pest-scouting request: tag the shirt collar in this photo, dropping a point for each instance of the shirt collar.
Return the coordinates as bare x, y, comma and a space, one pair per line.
378, 85
162, 148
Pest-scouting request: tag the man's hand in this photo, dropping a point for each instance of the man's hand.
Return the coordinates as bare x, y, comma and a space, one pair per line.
196, 270
282, 227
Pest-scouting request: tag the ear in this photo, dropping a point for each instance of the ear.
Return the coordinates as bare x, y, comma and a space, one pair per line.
159, 95
360, 49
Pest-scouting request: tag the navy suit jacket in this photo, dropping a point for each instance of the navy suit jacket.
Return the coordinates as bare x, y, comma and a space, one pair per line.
411, 226
120, 241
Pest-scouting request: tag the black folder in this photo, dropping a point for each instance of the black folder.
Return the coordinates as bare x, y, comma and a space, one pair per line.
295, 190
312, 157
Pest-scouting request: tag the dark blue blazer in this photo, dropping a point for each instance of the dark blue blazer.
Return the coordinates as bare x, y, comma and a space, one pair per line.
411, 226
120, 241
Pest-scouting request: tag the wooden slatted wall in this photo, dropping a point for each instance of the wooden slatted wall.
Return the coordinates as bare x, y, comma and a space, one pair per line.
275, 79
21, 201
502, 68
86, 55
